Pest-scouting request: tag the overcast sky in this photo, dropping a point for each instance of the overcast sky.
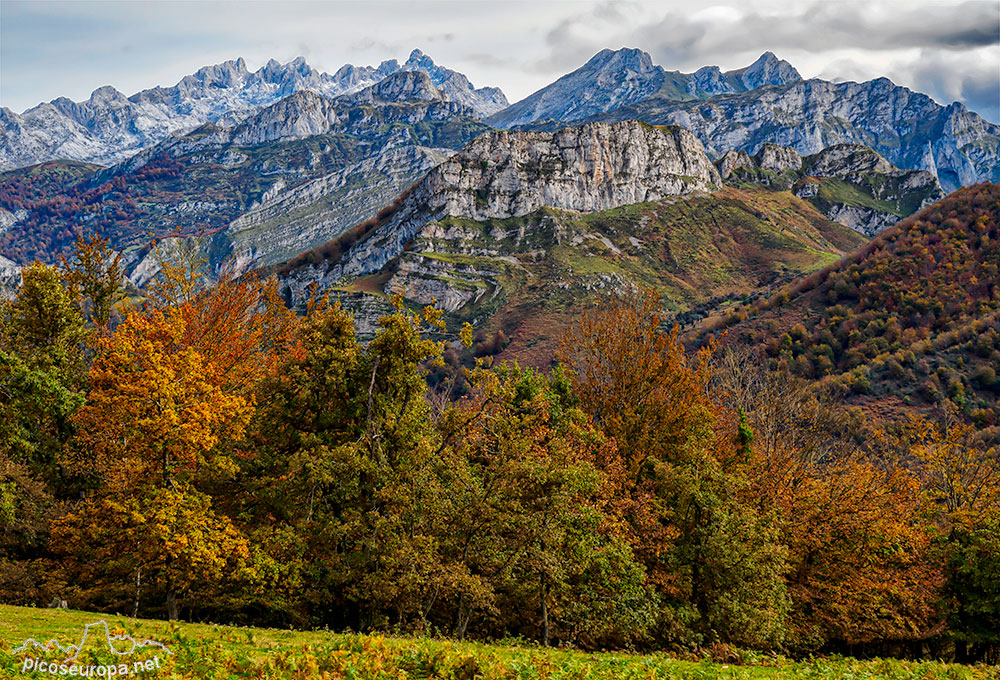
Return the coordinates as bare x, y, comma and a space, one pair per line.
949, 50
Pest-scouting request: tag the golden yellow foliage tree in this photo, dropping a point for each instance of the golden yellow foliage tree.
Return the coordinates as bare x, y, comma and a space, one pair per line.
154, 428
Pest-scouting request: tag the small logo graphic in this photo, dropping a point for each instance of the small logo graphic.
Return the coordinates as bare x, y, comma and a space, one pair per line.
120, 645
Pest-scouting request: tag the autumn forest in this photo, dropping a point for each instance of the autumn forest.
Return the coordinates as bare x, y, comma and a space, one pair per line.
208, 454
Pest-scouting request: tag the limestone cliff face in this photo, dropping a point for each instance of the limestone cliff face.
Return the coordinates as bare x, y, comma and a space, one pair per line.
289, 221
849, 183
732, 161
10, 277
778, 158
846, 160
508, 173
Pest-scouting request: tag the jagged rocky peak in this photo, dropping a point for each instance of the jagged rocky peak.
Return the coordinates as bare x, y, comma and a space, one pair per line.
708, 80
484, 101
778, 158
733, 160
419, 60
302, 114
768, 70
106, 95
402, 86
226, 74
609, 80
627, 58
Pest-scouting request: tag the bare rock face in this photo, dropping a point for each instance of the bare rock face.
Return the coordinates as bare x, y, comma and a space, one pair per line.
867, 221
402, 86
880, 197
10, 277
844, 160
508, 173
734, 160
778, 158
588, 168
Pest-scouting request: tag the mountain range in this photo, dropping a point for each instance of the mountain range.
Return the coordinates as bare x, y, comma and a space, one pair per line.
710, 187
769, 102
110, 127
291, 175
613, 79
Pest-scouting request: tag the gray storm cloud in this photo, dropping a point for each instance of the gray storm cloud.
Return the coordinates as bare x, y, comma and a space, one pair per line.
951, 50
948, 42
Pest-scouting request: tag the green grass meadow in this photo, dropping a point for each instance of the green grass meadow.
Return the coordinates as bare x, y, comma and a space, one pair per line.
206, 651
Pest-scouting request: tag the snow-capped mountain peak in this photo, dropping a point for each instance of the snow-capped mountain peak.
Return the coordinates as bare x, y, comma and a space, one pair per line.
109, 127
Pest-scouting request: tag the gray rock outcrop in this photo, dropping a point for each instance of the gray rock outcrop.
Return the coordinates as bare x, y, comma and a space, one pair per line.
506, 174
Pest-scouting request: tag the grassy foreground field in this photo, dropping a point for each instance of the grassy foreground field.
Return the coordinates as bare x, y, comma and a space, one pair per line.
210, 651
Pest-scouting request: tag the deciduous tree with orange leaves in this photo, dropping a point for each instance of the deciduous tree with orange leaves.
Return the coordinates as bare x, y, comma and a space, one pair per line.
715, 559
158, 426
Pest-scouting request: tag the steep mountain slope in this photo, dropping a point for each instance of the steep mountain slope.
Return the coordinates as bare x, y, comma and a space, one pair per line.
768, 102
613, 79
292, 176
109, 127
849, 183
520, 229
910, 320
528, 276
508, 174
909, 129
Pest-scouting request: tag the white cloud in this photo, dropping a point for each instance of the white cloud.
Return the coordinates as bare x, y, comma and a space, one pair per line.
55, 49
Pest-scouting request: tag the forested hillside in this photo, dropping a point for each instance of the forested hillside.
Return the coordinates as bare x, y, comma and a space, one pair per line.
910, 320
214, 456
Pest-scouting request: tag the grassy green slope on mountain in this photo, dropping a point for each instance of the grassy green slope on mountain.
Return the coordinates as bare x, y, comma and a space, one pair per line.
889, 193
530, 275
46, 177
908, 321
833, 191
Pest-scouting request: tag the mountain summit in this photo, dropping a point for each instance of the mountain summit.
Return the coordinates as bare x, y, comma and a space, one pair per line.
616, 78
610, 79
109, 127
767, 70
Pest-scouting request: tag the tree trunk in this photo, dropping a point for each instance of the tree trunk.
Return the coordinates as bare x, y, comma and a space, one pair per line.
462, 616
135, 607
545, 612
172, 604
